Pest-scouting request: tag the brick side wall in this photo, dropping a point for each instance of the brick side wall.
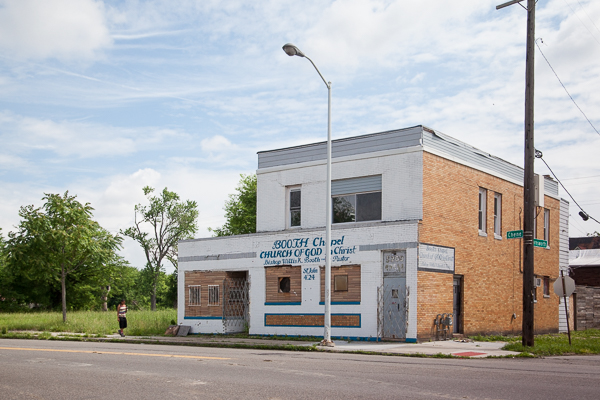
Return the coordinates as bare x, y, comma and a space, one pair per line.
273, 274
434, 291
354, 288
491, 267
204, 279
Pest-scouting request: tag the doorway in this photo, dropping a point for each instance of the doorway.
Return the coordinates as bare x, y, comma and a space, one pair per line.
457, 304
393, 295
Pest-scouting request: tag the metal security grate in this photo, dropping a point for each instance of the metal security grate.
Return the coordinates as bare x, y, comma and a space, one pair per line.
235, 304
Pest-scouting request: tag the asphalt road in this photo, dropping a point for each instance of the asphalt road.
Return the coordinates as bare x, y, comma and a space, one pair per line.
76, 370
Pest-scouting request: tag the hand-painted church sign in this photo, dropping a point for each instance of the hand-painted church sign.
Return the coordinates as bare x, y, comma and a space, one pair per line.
306, 251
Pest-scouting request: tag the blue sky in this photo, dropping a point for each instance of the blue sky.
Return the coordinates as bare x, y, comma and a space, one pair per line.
104, 97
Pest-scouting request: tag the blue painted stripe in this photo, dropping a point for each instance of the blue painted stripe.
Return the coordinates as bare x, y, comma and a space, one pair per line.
202, 317
355, 303
298, 303
411, 340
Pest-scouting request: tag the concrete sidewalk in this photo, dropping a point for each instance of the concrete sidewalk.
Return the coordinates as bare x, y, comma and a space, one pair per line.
458, 348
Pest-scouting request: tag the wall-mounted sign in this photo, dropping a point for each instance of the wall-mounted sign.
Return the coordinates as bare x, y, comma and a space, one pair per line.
306, 251
436, 258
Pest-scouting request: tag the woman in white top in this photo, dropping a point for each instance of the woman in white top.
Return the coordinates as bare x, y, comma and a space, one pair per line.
122, 317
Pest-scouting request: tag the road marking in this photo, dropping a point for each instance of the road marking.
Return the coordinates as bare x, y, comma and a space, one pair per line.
114, 352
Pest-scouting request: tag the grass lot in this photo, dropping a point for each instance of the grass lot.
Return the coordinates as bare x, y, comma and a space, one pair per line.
582, 342
140, 323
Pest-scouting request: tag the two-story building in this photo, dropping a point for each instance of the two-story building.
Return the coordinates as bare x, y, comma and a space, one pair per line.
419, 236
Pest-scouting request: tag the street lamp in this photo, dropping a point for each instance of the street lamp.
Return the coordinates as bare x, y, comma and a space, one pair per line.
292, 50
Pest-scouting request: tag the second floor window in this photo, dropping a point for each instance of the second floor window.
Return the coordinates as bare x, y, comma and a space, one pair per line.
547, 225
295, 207
356, 199
482, 211
498, 215
357, 207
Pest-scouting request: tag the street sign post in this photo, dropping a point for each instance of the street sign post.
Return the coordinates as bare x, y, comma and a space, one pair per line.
514, 234
569, 287
565, 286
540, 243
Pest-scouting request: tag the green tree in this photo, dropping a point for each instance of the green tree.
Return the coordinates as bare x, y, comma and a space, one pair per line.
240, 209
170, 220
58, 241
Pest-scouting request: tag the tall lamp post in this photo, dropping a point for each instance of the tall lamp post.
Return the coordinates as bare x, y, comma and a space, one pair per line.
292, 50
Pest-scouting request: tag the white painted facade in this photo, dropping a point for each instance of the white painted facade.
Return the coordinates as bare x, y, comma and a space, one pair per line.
367, 241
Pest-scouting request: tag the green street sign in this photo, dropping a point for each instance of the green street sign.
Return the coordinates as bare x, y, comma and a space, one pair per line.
514, 234
540, 243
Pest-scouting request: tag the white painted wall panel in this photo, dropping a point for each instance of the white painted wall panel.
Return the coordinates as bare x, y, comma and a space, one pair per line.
402, 188
394, 235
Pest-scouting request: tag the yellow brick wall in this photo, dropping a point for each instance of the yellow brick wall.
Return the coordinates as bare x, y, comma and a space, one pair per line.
492, 283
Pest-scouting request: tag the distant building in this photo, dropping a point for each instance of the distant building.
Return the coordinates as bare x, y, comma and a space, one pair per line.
585, 270
584, 243
420, 233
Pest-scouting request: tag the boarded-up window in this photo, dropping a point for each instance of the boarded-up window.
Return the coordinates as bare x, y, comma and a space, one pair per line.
194, 295
345, 284
213, 295
340, 283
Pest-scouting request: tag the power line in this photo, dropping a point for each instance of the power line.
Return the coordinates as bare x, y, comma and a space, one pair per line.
583, 214
582, 177
572, 99
594, 36
588, 15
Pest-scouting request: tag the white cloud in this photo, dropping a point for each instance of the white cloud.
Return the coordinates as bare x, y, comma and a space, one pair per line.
216, 143
78, 139
62, 29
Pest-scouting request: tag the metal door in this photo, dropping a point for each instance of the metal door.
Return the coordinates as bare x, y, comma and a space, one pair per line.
457, 304
235, 305
394, 308
393, 295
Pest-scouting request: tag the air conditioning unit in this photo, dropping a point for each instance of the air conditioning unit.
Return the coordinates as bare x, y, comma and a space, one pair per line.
538, 282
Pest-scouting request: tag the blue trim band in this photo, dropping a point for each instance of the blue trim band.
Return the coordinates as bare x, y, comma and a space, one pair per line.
354, 303
297, 303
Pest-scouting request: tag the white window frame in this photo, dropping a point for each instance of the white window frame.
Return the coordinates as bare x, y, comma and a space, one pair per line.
211, 295
198, 297
498, 215
547, 227
288, 207
482, 213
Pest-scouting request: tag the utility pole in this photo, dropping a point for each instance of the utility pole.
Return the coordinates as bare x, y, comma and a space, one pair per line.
528, 179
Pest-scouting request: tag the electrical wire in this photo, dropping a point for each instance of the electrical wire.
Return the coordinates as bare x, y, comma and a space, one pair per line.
555, 74
594, 36
539, 154
588, 15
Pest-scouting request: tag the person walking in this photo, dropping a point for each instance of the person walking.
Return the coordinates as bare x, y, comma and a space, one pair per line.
122, 317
